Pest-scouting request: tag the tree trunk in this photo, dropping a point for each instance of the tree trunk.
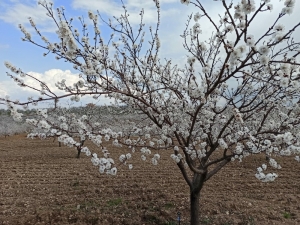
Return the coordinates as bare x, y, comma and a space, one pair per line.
195, 207
195, 189
79, 148
78, 152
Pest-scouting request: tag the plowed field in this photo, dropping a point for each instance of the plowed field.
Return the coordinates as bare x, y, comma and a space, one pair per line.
41, 183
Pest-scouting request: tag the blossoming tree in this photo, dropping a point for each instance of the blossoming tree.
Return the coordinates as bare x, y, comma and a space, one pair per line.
244, 99
73, 126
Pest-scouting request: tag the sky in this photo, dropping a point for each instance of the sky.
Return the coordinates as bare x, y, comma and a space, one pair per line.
30, 58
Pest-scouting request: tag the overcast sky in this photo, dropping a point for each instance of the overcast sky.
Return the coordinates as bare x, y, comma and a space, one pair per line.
173, 18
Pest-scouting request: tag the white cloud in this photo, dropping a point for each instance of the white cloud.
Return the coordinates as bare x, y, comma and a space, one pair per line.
49, 77
52, 76
18, 13
2, 87
114, 8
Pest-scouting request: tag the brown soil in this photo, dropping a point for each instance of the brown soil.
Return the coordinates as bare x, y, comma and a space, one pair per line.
42, 183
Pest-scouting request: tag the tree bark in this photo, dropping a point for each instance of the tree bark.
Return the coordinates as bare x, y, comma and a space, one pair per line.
195, 189
78, 152
79, 148
195, 207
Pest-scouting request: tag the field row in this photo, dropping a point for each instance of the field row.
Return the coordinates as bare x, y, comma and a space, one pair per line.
42, 183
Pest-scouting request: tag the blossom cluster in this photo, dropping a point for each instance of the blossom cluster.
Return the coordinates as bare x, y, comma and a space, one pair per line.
105, 164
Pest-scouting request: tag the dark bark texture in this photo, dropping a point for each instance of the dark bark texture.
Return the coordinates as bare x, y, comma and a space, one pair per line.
195, 190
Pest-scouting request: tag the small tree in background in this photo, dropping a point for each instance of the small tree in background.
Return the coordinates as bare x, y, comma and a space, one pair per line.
74, 125
9, 127
242, 101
